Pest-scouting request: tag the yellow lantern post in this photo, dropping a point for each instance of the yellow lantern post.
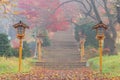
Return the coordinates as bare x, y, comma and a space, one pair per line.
20, 27
82, 49
100, 29
39, 46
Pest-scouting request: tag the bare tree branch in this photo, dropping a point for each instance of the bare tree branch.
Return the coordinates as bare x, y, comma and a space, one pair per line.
73, 1
95, 10
87, 12
90, 10
90, 6
98, 1
110, 20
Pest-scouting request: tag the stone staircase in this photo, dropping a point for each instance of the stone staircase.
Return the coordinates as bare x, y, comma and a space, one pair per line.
63, 52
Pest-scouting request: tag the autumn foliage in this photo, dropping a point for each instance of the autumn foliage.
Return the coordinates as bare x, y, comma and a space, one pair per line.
44, 13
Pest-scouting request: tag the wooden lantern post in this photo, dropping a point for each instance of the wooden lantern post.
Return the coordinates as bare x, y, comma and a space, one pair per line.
82, 49
20, 27
100, 30
39, 46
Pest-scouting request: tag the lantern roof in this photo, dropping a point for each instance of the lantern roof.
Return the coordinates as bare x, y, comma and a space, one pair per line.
40, 35
100, 25
20, 24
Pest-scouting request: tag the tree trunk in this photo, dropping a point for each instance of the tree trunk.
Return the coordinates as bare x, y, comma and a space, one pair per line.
110, 40
109, 43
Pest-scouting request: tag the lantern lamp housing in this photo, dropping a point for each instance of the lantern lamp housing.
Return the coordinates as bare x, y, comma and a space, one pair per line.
100, 30
82, 37
40, 35
20, 27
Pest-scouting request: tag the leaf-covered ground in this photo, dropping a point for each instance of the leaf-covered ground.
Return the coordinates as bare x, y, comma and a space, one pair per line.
38, 73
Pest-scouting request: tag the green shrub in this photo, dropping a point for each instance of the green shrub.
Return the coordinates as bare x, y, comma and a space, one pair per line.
86, 29
26, 50
46, 40
4, 45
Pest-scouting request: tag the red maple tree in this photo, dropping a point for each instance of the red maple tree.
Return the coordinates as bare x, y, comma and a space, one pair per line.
42, 12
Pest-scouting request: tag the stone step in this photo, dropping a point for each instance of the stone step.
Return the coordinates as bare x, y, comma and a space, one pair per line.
62, 51
68, 46
61, 48
64, 41
63, 44
52, 59
71, 50
61, 54
60, 39
61, 57
61, 65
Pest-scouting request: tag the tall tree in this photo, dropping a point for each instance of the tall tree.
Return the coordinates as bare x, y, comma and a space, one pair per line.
95, 10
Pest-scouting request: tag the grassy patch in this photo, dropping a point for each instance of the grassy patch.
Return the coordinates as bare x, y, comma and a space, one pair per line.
10, 65
111, 64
